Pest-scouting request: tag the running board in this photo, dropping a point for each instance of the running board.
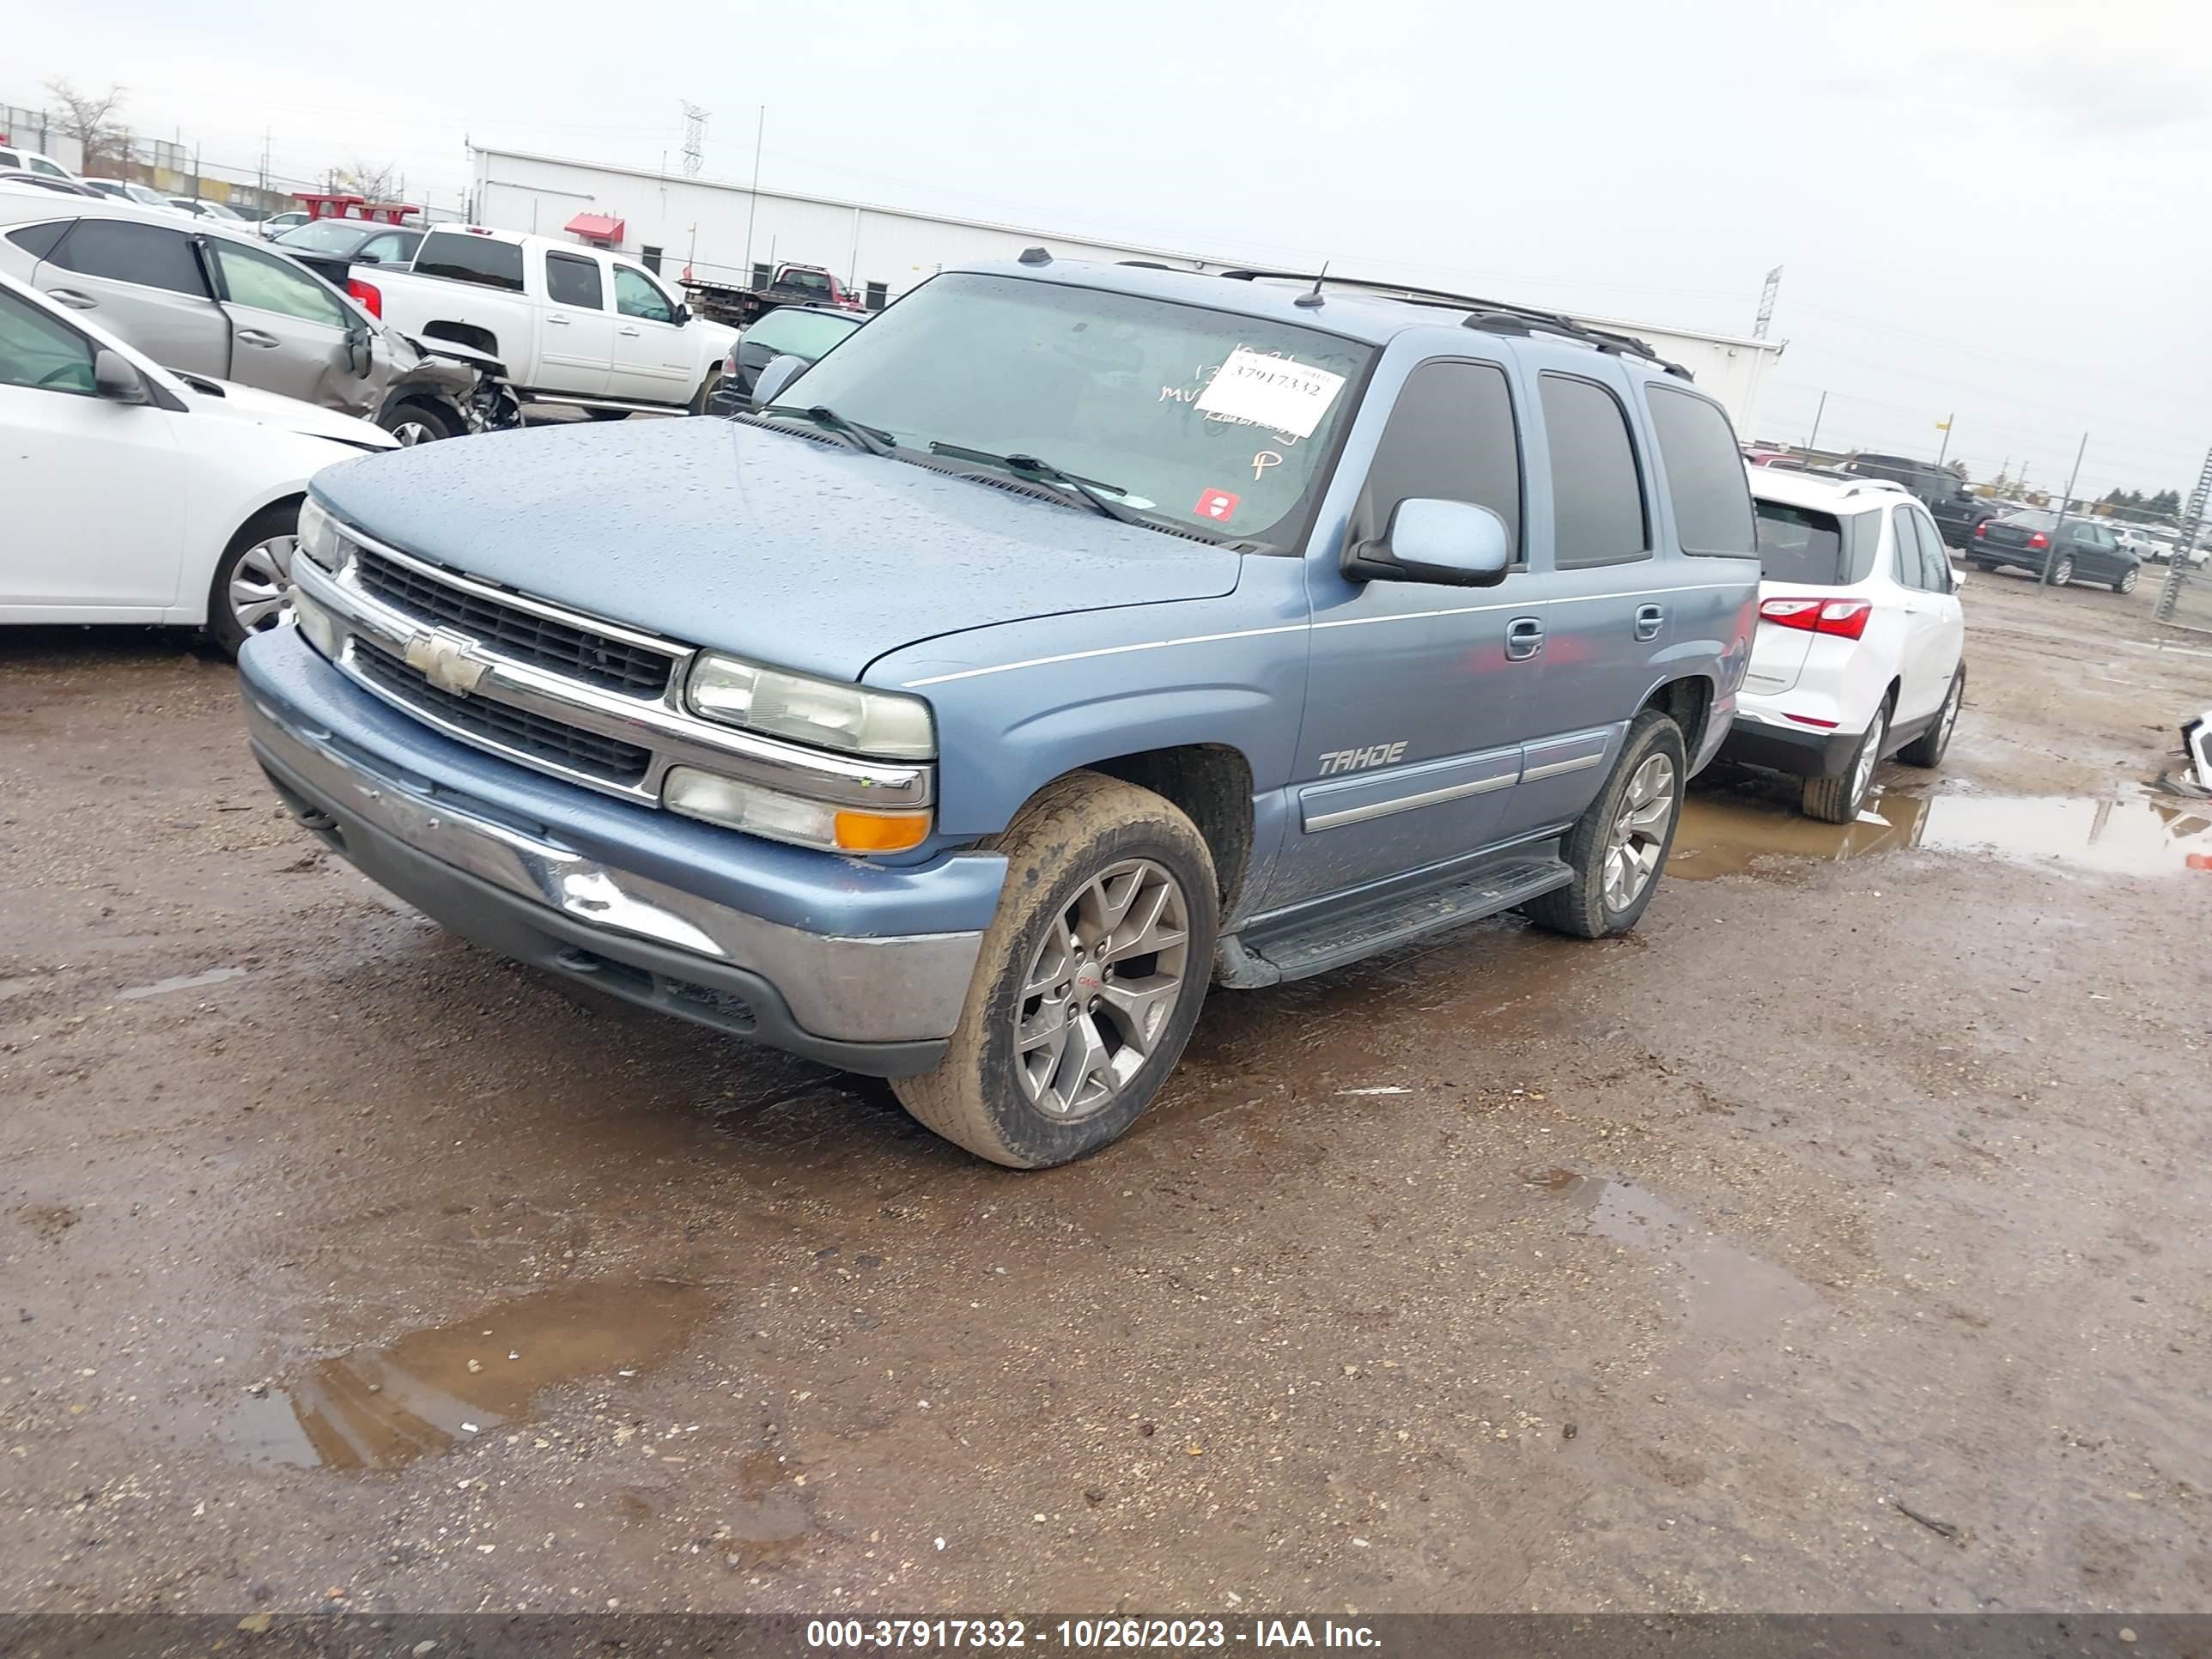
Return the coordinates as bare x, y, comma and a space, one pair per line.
1332, 941
578, 400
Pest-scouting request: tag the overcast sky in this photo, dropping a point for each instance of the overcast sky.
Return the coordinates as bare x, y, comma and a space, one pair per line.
1995, 208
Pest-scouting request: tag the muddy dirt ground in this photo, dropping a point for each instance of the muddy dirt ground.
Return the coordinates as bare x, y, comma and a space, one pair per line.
1839, 1240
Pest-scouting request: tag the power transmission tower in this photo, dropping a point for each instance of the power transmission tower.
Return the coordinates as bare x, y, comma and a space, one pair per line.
694, 133
1766, 303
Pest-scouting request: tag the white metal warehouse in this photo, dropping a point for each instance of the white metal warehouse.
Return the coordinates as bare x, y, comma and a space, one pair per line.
721, 231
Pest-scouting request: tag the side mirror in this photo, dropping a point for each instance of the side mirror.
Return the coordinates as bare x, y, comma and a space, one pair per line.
779, 374
114, 378
1455, 543
681, 316
368, 259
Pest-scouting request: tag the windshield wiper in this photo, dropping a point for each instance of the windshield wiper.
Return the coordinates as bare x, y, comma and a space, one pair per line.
866, 437
1027, 466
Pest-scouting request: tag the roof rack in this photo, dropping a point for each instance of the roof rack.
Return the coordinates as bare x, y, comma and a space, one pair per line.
1492, 316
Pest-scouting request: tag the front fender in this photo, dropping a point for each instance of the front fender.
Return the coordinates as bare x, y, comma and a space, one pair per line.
1019, 704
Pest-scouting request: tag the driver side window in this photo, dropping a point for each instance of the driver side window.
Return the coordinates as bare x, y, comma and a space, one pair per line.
42, 353
636, 296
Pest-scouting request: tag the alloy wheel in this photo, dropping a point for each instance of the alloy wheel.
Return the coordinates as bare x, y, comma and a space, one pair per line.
410, 433
1101, 989
261, 584
1869, 756
1639, 833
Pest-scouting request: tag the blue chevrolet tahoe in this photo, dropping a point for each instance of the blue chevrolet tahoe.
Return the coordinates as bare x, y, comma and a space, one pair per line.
1069, 640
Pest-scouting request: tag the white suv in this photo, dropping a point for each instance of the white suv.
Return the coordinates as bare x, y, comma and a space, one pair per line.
1860, 652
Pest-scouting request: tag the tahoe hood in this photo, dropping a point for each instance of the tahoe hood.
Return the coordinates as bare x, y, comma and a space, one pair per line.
806, 555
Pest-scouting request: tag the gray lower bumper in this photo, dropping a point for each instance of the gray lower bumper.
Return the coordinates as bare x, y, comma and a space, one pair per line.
878, 1005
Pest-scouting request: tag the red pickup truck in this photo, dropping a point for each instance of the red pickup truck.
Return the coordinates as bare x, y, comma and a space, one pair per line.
792, 284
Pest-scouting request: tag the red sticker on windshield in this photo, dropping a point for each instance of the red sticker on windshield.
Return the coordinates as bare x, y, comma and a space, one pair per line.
1216, 504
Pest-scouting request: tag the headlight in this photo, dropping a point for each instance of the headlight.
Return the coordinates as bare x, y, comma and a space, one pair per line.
318, 537
852, 719
779, 816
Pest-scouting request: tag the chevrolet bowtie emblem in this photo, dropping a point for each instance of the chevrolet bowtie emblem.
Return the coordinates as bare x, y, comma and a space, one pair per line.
446, 660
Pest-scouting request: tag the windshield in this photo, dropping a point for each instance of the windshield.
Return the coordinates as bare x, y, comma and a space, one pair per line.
805, 334
326, 235
1115, 388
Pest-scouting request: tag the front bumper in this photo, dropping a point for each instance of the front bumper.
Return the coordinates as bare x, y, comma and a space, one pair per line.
1802, 751
858, 966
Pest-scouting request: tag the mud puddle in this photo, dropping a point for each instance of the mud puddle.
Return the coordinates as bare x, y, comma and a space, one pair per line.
1727, 1291
1736, 832
382, 1408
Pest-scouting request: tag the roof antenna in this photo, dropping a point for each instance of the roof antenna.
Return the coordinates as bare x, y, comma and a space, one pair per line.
1312, 301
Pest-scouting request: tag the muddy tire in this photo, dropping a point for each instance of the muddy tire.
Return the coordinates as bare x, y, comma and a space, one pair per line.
1837, 799
1927, 749
1619, 846
1069, 1030
251, 588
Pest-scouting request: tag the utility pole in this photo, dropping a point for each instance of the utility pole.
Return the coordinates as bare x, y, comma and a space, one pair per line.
752, 201
1944, 426
1814, 439
2051, 553
694, 134
1766, 303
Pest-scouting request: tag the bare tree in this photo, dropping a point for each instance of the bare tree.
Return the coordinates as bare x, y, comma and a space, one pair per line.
378, 182
89, 118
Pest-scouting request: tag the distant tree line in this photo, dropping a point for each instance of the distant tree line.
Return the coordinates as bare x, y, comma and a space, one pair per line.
2163, 507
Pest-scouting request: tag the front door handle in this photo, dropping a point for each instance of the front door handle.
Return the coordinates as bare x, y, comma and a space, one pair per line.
557, 317
631, 331
254, 336
1524, 638
73, 298
1649, 620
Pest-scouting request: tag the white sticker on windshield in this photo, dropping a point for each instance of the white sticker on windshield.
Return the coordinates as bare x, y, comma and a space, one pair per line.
1271, 392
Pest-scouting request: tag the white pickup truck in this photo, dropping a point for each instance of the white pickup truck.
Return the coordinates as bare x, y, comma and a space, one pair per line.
573, 324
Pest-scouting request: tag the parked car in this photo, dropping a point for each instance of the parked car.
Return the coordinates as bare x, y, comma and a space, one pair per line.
137, 496
573, 325
123, 190
803, 333
202, 299
2070, 549
2133, 541
333, 246
14, 158
1956, 509
788, 284
204, 210
21, 181
1861, 649
277, 223
1081, 634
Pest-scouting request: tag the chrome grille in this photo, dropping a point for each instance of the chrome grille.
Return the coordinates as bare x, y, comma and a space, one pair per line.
608, 759
561, 647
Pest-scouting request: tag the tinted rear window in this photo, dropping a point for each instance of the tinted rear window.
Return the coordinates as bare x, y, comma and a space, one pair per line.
1704, 473
148, 255
465, 259
1821, 549
1597, 500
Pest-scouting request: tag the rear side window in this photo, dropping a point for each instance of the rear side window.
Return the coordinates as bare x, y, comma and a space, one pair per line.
1909, 570
1450, 437
461, 258
1934, 562
1704, 473
38, 240
125, 252
1597, 497
571, 280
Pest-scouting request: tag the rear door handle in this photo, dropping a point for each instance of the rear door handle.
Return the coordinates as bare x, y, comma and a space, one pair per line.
72, 298
254, 336
1524, 638
1649, 619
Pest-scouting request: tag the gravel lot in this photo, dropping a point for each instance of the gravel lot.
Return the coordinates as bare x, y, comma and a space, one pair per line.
1838, 1241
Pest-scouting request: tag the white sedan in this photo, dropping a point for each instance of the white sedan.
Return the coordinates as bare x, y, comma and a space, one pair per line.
137, 495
